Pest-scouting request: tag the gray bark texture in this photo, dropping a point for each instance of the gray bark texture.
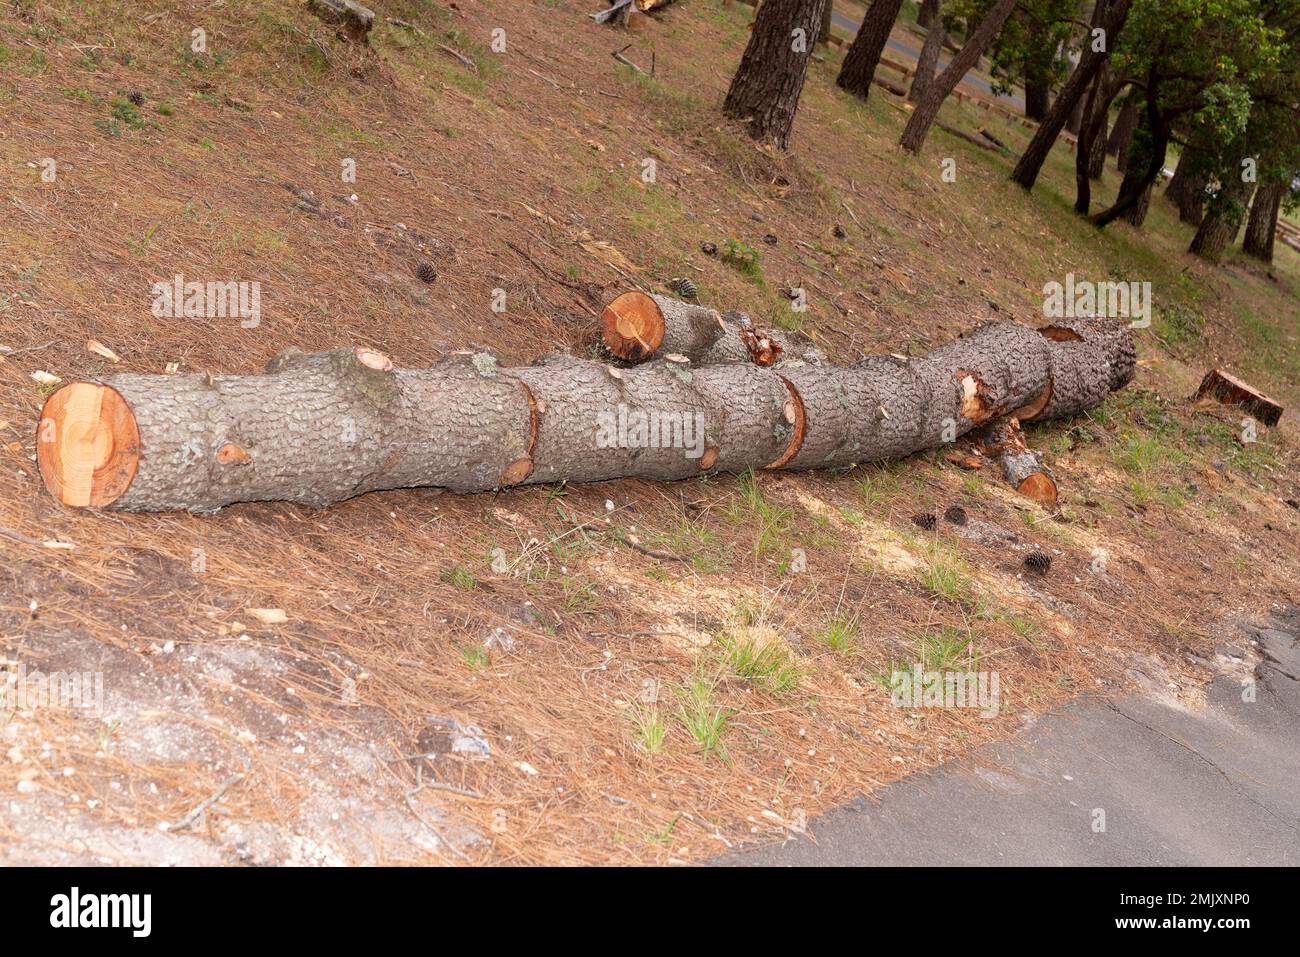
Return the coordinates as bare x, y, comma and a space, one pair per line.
764, 93
318, 428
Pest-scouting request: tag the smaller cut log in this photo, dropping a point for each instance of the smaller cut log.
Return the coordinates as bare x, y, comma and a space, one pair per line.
1230, 390
1022, 467
354, 21
637, 326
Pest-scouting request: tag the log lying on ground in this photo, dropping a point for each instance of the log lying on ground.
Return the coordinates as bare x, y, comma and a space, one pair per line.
1022, 467
638, 326
1230, 390
321, 427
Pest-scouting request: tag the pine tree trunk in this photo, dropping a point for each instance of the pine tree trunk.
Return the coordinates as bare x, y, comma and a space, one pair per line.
927, 110
928, 14
1138, 214
1097, 151
1037, 100
1146, 160
319, 428
1075, 121
1187, 189
1121, 133
1261, 228
824, 34
1091, 152
864, 54
764, 93
1111, 18
928, 60
1223, 215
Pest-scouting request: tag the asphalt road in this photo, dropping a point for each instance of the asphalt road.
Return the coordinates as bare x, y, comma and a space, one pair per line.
1215, 786
910, 48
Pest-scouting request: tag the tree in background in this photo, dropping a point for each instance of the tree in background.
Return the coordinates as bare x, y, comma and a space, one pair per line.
1261, 228
1109, 16
927, 110
928, 59
1121, 134
1193, 61
859, 66
1028, 50
765, 91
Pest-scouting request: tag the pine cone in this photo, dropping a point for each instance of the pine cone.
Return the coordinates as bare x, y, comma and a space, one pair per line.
1038, 562
425, 272
684, 287
925, 520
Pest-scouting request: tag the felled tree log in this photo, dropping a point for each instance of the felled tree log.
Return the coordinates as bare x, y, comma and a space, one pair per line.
317, 428
637, 326
1022, 467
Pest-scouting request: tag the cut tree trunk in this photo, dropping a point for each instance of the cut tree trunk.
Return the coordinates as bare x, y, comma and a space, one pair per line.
1022, 467
1111, 18
927, 60
1230, 390
638, 326
927, 110
1261, 227
318, 428
764, 93
860, 62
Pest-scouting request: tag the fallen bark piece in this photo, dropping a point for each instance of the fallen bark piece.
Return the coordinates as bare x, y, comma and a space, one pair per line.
1022, 467
1230, 390
318, 428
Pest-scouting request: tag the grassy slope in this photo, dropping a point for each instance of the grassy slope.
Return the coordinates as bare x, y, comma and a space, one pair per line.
763, 684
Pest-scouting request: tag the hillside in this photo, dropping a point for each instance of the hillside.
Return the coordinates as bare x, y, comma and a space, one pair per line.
427, 698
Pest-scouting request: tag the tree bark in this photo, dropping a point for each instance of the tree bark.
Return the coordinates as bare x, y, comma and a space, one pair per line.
1111, 18
1121, 134
928, 14
928, 59
1261, 228
765, 91
824, 34
1187, 189
1146, 160
1038, 98
1223, 214
1075, 121
318, 428
927, 110
1090, 155
864, 54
